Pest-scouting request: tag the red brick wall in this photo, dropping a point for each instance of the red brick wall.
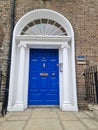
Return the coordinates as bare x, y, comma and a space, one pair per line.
5, 13
5, 10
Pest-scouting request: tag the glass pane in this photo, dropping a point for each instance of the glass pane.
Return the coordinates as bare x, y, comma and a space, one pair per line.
44, 27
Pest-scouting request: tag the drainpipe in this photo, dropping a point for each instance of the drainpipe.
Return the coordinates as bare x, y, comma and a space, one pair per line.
5, 102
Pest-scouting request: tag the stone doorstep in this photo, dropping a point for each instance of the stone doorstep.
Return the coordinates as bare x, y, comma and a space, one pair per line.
95, 111
0, 103
90, 107
94, 108
0, 107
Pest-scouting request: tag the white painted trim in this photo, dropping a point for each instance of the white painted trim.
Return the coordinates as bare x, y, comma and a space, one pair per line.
43, 13
45, 38
62, 43
40, 41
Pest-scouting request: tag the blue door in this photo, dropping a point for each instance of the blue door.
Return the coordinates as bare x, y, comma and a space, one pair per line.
43, 77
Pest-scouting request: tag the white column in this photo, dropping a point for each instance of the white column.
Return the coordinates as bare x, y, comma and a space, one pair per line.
66, 101
19, 103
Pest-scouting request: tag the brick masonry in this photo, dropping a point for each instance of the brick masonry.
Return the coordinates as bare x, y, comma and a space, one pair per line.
5, 11
83, 15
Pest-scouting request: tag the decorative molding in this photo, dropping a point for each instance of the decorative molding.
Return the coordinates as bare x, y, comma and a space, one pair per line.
36, 41
22, 44
42, 38
45, 0
65, 45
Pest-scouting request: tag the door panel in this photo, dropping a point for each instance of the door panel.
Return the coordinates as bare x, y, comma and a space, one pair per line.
43, 77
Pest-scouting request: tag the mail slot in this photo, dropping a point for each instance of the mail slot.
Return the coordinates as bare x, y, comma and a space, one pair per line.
43, 74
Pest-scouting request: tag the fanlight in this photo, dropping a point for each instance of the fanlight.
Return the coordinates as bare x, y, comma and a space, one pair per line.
44, 27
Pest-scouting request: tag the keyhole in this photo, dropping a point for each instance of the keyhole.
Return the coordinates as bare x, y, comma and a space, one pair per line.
44, 65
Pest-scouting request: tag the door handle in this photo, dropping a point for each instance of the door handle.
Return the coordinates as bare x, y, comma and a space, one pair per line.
61, 67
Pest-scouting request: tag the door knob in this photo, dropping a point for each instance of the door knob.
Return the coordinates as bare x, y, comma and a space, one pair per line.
53, 74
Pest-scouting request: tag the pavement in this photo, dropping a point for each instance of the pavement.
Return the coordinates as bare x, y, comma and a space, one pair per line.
48, 119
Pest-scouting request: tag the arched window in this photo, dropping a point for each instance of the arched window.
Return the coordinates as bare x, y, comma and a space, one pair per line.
44, 27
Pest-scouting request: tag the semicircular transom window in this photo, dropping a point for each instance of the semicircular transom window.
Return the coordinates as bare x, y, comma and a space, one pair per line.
44, 27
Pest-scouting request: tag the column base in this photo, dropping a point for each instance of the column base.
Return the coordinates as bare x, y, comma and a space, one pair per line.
69, 107
16, 107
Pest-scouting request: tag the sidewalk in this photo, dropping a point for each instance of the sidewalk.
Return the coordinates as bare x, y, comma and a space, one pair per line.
48, 119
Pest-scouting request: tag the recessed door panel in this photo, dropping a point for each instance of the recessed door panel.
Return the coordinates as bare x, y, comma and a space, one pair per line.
43, 77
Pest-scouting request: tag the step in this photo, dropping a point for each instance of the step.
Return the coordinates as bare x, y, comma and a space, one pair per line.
90, 107
94, 108
95, 111
0, 103
0, 106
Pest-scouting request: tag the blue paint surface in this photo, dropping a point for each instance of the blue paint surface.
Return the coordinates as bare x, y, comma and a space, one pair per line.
43, 77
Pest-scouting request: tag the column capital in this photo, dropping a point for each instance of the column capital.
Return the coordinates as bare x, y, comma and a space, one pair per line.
65, 45
22, 44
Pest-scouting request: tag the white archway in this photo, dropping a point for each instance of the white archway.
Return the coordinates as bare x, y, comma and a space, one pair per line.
18, 87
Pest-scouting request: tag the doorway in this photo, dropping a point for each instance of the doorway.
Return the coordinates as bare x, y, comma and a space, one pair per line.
43, 77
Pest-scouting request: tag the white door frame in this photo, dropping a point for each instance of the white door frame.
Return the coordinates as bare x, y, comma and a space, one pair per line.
66, 87
18, 87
